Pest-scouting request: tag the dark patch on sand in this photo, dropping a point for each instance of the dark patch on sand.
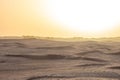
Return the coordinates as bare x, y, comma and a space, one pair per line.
91, 65
93, 59
55, 57
115, 67
107, 75
56, 47
2, 61
23, 68
40, 57
88, 59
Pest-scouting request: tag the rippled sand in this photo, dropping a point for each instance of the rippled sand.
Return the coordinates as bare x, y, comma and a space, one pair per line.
32, 59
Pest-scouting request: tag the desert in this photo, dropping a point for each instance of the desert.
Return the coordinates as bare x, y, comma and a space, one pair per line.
40, 59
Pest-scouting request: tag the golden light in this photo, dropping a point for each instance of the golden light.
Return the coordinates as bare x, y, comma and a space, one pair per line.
84, 16
60, 18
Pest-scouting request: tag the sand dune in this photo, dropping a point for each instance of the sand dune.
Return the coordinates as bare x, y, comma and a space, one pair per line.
34, 59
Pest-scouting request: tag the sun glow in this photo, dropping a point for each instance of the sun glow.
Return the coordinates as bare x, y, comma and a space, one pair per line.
84, 16
60, 18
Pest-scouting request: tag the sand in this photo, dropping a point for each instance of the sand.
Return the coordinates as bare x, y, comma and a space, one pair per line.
35, 59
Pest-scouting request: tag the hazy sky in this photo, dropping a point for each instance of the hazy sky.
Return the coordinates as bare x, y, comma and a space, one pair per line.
61, 18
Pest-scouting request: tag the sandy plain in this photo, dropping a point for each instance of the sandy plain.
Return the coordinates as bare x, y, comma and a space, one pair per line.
37, 59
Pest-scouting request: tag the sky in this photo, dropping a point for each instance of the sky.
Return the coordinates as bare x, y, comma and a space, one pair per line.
60, 18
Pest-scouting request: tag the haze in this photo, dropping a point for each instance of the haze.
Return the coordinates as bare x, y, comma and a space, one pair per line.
60, 18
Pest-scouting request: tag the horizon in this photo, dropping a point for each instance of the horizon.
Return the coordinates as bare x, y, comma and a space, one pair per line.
50, 37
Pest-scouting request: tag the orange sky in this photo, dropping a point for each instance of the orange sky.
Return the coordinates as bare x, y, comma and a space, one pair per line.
27, 17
